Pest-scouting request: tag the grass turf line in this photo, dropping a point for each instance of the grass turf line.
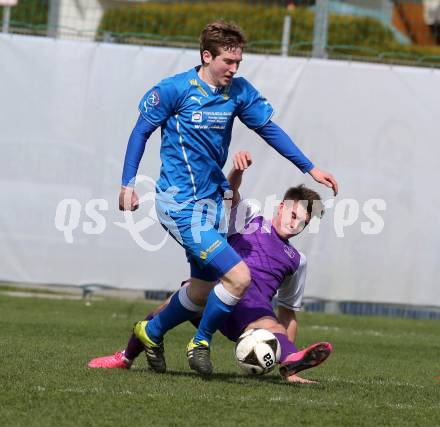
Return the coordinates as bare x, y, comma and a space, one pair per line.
382, 372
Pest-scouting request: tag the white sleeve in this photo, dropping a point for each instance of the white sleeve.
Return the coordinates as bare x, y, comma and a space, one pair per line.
291, 291
242, 213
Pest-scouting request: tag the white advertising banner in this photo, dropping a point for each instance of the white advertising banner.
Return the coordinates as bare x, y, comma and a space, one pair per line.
67, 110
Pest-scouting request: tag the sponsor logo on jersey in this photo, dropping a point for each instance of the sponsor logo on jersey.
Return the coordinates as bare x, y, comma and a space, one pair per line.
153, 99
290, 252
197, 117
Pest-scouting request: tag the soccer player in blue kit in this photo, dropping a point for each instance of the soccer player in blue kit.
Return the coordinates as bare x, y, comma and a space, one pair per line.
195, 111
275, 266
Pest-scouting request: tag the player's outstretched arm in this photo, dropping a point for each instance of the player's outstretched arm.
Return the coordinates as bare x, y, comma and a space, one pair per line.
242, 160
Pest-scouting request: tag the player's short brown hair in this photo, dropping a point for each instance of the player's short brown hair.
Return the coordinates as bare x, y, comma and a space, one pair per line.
221, 34
315, 207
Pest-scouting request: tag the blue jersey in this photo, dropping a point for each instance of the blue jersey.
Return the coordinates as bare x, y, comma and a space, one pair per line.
196, 125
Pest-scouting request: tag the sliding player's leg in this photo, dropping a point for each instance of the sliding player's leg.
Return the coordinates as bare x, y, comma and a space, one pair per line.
308, 358
255, 311
124, 359
270, 323
293, 361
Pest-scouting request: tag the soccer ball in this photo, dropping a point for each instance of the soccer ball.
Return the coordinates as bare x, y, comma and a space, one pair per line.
257, 351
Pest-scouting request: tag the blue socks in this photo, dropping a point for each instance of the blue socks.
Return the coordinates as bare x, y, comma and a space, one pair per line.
219, 306
180, 309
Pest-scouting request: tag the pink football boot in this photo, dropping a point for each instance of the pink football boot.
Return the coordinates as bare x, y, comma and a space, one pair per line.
305, 359
117, 360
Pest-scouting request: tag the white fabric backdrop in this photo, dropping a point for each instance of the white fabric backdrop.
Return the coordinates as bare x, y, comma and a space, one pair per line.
66, 111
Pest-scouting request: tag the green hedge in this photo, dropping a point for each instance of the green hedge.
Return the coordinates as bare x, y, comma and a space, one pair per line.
183, 21
180, 24
29, 15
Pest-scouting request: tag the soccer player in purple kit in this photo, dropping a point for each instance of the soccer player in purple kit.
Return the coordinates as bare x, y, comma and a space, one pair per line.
274, 264
196, 110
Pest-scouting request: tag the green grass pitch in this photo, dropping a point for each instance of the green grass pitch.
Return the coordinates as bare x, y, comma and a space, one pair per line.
382, 373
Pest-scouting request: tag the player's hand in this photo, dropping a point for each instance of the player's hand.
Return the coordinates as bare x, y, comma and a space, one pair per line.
128, 199
242, 160
324, 178
295, 379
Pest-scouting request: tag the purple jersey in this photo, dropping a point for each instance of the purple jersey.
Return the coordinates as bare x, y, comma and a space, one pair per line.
270, 260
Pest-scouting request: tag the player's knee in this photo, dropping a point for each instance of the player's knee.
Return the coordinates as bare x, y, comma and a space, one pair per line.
241, 285
238, 279
243, 279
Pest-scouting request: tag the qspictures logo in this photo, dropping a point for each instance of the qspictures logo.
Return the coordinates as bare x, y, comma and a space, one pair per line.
159, 208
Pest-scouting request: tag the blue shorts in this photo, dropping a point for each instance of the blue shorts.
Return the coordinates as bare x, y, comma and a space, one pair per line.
199, 226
